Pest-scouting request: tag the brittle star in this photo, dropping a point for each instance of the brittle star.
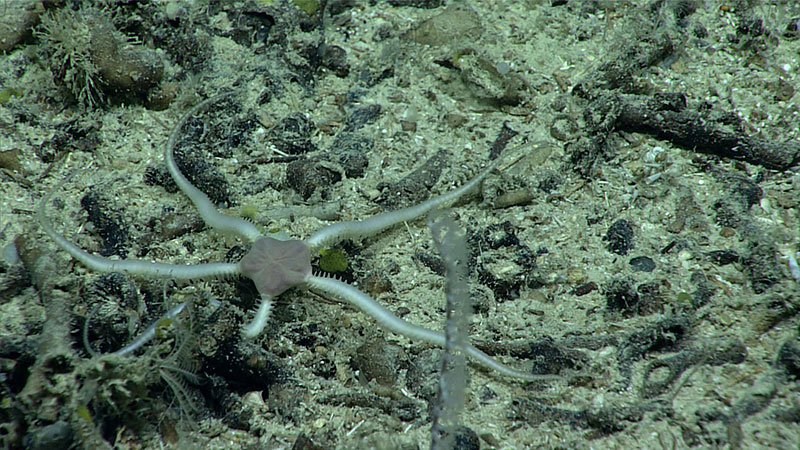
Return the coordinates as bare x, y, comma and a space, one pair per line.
276, 264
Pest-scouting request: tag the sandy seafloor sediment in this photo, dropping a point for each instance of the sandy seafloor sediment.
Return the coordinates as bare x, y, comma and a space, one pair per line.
687, 338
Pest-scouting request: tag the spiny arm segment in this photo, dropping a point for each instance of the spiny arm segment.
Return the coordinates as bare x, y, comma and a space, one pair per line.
205, 207
390, 322
130, 266
356, 229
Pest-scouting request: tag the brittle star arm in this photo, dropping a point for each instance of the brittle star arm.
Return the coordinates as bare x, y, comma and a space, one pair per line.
131, 266
205, 207
254, 328
356, 229
392, 323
